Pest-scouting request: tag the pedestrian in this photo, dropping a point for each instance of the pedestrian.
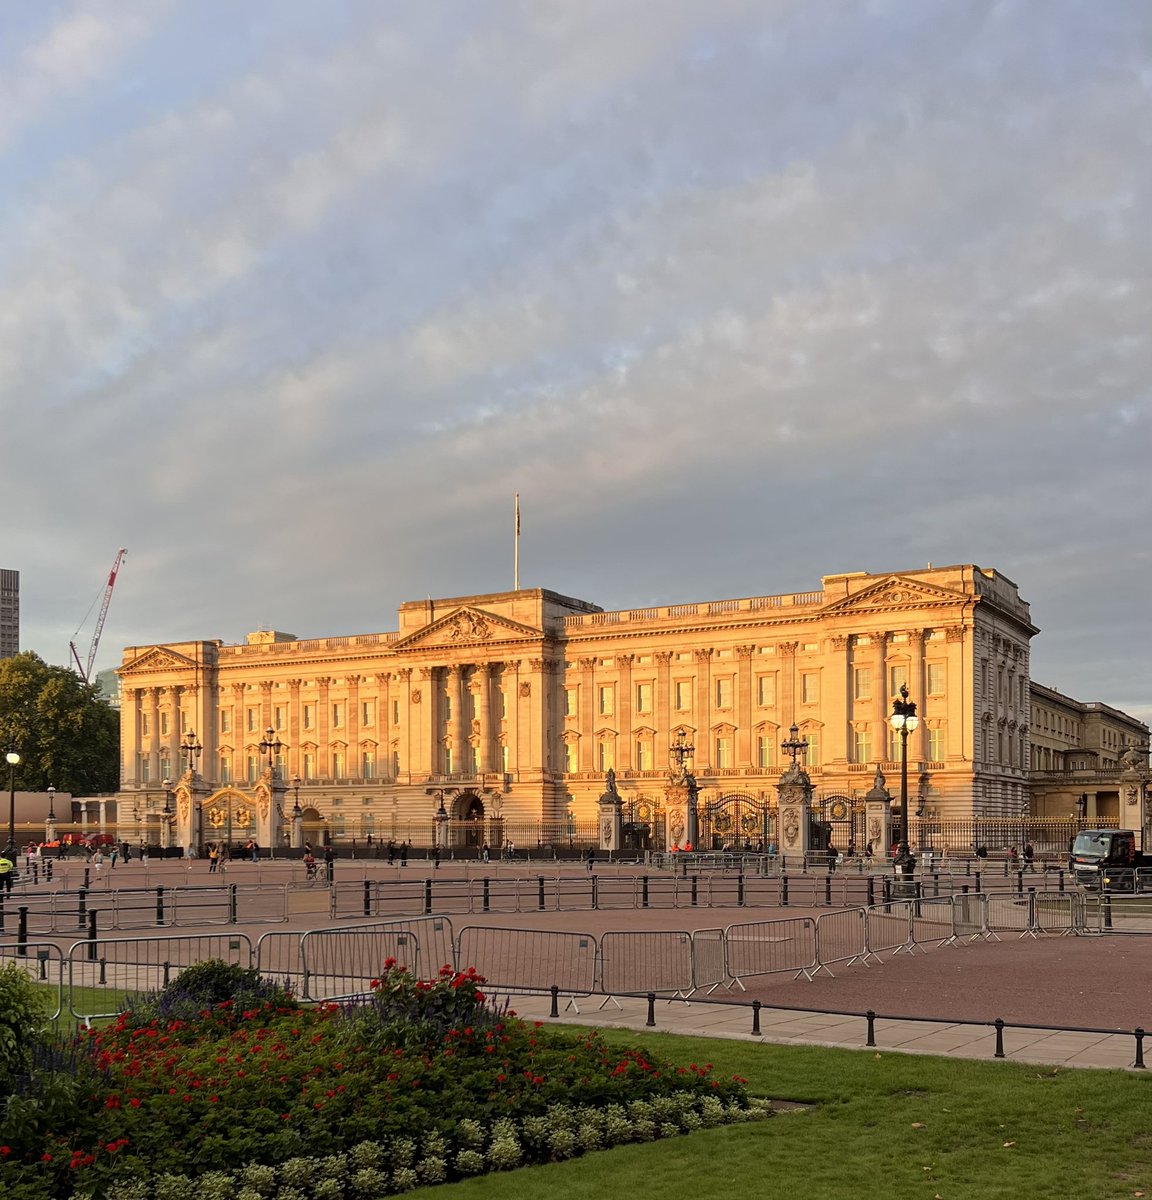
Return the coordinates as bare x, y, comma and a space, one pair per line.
98, 862
329, 862
484, 852
1029, 857
590, 857
404, 853
7, 872
213, 857
125, 851
436, 858
113, 855
254, 847
1013, 857
391, 851
868, 852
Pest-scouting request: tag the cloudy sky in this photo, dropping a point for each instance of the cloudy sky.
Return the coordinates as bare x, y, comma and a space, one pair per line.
295, 295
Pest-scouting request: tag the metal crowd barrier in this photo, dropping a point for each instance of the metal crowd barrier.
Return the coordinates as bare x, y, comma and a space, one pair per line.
771, 947
531, 960
842, 937
664, 959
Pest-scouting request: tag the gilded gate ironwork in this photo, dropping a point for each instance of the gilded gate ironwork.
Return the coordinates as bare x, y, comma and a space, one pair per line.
840, 822
736, 821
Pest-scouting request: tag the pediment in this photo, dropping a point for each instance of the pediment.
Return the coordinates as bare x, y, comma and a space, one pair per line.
158, 658
897, 593
468, 626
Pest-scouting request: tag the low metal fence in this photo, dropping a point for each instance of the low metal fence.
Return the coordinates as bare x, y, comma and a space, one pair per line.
664, 958
531, 960
771, 947
842, 937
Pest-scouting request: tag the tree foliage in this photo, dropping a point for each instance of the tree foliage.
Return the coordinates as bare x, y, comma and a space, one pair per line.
65, 732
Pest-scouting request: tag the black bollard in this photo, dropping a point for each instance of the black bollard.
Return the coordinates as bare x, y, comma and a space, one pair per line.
487, 894
871, 1028
1139, 1063
232, 904
540, 892
756, 1017
651, 1010
783, 891
367, 897
427, 896
871, 891
160, 906
82, 906
999, 1023
22, 930
695, 881
555, 990
643, 891
828, 890
595, 891
740, 890
92, 915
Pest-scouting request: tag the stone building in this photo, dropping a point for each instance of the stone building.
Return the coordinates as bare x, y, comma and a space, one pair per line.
504, 712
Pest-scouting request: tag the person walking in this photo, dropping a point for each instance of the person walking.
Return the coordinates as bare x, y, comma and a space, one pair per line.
7, 873
329, 863
1029, 857
213, 857
404, 853
391, 852
590, 857
484, 852
435, 858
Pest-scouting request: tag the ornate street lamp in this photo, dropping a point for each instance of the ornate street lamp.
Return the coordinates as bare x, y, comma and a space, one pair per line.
191, 748
904, 721
271, 745
50, 823
168, 813
13, 763
297, 815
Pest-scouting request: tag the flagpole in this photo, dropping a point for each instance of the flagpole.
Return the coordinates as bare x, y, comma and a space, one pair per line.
516, 555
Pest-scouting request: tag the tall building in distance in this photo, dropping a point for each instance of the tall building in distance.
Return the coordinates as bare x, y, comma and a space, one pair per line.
514, 706
9, 613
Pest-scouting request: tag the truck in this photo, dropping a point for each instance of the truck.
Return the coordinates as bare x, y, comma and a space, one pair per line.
1108, 860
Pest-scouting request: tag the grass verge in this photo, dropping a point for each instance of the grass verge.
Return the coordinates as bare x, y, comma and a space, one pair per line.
882, 1125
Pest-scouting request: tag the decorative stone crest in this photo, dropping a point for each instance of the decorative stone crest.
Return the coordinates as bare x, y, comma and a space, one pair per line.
468, 627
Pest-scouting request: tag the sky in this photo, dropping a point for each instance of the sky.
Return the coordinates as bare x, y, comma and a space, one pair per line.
295, 295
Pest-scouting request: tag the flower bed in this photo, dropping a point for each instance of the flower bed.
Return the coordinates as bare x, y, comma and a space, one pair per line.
252, 1095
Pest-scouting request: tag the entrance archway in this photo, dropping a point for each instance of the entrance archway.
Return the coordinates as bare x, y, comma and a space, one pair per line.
735, 821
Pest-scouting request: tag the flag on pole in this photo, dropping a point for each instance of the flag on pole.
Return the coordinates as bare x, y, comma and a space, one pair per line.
517, 514
516, 555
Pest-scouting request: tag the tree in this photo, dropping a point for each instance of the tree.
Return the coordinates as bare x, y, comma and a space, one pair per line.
66, 733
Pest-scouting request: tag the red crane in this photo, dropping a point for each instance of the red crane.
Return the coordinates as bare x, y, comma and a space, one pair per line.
86, 671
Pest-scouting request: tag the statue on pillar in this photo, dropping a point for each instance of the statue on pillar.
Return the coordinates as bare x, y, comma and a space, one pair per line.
611, 807
878, 815
1134, 793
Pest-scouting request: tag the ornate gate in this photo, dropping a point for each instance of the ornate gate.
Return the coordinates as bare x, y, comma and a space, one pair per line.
841, 823
736, 821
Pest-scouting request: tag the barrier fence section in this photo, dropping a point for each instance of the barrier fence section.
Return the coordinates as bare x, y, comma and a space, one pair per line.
43, 962
708, 969
771, 947
530, 960
888, 927
841, 937
659, 962
101, 973
339, 963
932, 922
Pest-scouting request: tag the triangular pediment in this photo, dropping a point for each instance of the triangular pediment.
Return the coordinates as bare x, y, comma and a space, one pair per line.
895, 593
158, 658
467, 626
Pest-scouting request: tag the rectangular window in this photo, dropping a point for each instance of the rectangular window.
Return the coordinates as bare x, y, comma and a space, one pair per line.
683, 695
765, 753
766, 691
309, 716
145, 725
367, 713
280, 767
470, 701
862, 684
278, 717
225, 768
309, 765
395, 712
937, 678
367, 764
447, 708
338, 715
165, 724
569, 757
501, 704
475, 756
809, 687
447, 760
504, 760
165, 767
897, 678
812, 756
395, 763
936, 744
723, 751
724, 693
184, 726
644, 754
225, 720
861, 746
145, 769
607, 755
252, 719
339, 825
337, 764
253, 770
570, 702
607, 704
643, 697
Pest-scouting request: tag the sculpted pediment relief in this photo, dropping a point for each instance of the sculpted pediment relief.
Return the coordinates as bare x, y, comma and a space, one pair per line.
467, 627
896, 592
158, 658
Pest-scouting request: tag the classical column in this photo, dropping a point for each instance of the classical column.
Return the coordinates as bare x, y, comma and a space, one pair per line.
172, 700
588, 714
663, 715
703, 738
458, 691
353, 767
918, 686
744, 719
483, 677
786, 652
878, 718
295, 729
624, 755
838, 702
265, 709
130, 735
404, 733
323, 726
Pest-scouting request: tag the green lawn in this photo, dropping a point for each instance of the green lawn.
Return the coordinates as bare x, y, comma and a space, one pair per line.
881, 1125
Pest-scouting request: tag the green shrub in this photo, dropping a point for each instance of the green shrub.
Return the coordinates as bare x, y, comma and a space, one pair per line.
206, 985
23, 1022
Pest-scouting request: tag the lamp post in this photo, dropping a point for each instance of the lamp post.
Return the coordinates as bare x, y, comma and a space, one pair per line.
297, 815
441, 827
191, 748
168, 813
13, 763
271, 745
904, 721
50, 823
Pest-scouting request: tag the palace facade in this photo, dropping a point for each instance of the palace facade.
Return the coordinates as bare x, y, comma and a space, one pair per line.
504, 712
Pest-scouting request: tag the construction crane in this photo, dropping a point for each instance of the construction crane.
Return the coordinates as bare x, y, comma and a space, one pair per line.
86, 671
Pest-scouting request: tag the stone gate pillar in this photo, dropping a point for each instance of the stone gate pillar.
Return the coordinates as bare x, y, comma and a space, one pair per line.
610, 816
795, 800
878, 816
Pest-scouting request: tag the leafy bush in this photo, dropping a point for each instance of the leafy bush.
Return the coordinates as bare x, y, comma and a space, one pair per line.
204, 986
23, 1022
